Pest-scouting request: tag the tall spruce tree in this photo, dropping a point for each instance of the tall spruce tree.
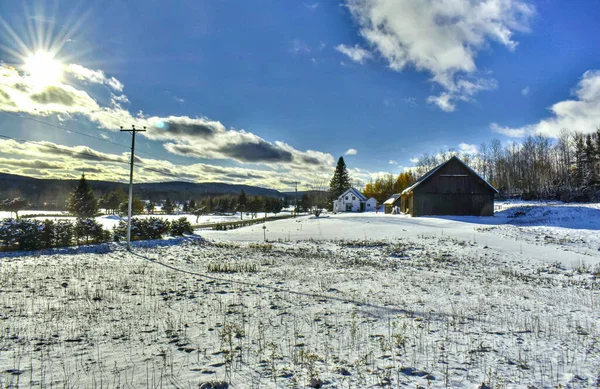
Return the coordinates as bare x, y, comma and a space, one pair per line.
82, 202
340, 182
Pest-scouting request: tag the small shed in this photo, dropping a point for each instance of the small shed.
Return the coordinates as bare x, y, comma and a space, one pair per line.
392, 202
452, 188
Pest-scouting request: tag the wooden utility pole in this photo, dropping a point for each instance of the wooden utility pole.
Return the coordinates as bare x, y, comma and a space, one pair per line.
133, 131
296, 199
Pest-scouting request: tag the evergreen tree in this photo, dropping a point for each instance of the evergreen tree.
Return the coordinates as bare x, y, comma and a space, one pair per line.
340, 181
112, 200
137, 207
150, 207
242, 203
304, 204
168, 207
82, 202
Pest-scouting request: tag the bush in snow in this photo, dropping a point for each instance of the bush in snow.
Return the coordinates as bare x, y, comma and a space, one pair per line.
142, 229
8, 232
181, 226
90, 230
48, 234
23, 233
154, 228
64, 231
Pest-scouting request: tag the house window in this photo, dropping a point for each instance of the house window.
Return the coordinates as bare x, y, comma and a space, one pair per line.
346, 197
353, 198
348, 207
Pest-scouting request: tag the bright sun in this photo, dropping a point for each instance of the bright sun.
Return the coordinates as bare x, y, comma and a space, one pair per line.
43, 69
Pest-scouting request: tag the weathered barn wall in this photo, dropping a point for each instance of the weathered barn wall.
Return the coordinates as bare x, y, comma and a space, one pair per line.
452, 190
452, 204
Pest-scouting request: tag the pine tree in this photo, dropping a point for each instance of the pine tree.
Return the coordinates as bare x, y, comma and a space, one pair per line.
340, 182
242, 203
150, 207
168, 207
82, 202
137, 207
304, 205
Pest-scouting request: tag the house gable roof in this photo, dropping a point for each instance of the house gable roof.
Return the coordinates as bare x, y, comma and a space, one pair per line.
435, 169
355, 192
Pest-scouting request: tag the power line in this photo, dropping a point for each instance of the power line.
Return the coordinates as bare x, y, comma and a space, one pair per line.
64, 128
77, 132
94, 156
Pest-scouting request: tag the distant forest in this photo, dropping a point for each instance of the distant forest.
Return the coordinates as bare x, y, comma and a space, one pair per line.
567, 168
52, 194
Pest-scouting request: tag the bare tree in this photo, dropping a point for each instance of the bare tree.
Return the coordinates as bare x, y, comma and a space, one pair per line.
319, 191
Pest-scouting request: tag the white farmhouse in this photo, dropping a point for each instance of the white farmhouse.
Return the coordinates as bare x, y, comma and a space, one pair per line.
354, 201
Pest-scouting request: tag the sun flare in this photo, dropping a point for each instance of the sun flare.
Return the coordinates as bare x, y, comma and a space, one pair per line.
43, 69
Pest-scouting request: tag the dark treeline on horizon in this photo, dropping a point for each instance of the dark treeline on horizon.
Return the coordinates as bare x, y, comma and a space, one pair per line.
566, 168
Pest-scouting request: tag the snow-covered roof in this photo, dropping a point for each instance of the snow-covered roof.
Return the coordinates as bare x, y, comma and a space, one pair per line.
435, 169
392, 199
355, 192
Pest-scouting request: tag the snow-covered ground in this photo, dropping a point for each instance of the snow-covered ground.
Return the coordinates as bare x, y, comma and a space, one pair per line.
4, 214
348, 300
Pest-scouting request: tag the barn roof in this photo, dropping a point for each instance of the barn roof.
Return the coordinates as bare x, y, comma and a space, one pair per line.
392, 199
435, 169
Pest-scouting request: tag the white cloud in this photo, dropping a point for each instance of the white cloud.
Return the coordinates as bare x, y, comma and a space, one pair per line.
443, 101
510, 132
392, 162
466, 148
441, 37
412, 101
356, 53
120, 99
414, 160
351, 152
579, 114
192, 137
51, 160
525, 91
299, 47
93, 76
312, 6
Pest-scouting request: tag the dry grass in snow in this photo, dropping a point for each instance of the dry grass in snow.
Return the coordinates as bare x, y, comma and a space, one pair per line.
428, 311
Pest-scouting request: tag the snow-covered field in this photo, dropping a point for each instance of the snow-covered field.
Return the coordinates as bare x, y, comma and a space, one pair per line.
4, 214
346, 301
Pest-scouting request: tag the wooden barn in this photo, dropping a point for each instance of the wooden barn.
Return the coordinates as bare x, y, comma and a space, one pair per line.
452, 188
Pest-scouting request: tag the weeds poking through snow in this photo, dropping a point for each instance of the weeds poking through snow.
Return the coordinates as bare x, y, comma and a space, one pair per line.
429, 312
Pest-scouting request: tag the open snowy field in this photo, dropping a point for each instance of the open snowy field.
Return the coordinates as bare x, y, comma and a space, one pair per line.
346, 301
566, 233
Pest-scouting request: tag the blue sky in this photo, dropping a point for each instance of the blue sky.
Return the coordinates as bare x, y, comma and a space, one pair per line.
269, 92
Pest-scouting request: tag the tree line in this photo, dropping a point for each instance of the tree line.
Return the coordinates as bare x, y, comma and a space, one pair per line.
384, 186
566, 168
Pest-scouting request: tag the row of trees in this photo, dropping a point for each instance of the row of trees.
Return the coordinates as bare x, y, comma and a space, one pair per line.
567, 168
252, 205
31, 234
384, 186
